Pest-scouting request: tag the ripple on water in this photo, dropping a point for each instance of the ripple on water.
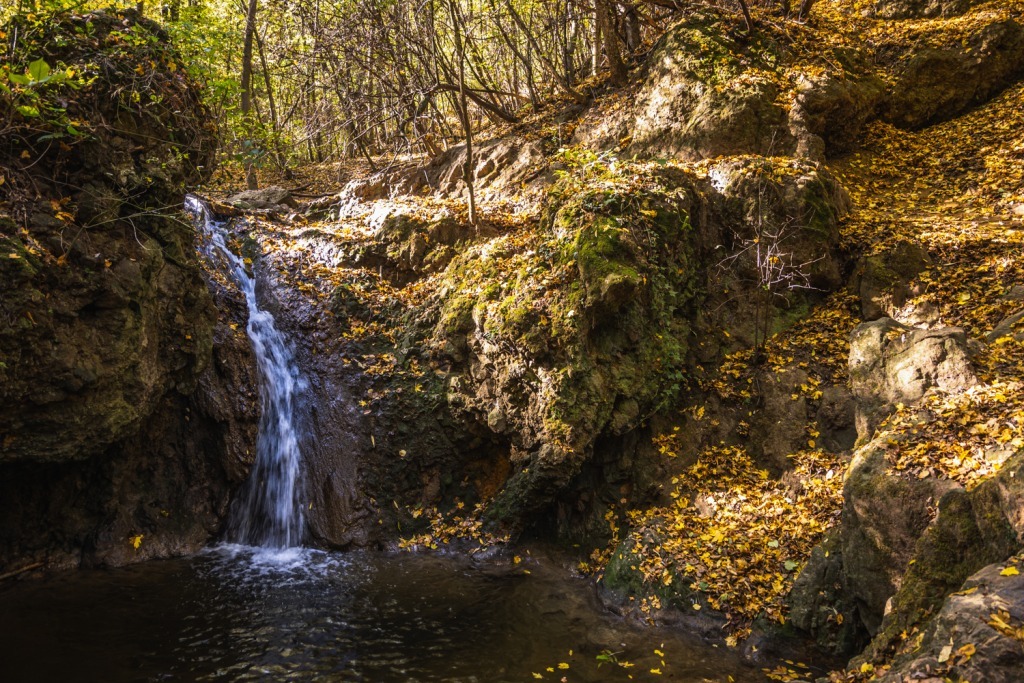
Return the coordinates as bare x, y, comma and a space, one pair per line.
235, 613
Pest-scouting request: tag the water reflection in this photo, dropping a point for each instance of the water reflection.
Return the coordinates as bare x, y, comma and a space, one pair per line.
237, 614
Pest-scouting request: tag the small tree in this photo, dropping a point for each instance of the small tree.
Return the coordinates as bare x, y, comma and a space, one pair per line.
776, 269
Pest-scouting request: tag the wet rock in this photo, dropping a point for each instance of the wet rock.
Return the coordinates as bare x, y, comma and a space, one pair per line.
936, 84
891, 363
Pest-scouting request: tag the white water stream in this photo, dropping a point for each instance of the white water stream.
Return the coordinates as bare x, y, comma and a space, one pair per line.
267, 512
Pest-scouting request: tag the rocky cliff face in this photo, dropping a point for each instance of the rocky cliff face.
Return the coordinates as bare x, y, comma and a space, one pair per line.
109, 399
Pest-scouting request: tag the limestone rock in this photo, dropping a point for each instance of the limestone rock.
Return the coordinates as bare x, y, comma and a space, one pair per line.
966, 619
936, 84
972, 529
109, 313
700, 100
820, 602
883, 516
917, 9
891, 363
268, 198
112, 400
832, 110
883, 280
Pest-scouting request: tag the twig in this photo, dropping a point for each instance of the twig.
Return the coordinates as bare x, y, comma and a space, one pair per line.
27, 568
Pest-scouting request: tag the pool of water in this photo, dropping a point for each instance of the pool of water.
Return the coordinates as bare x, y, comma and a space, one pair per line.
236, 614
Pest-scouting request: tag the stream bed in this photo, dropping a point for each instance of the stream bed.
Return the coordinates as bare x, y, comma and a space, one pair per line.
236, 613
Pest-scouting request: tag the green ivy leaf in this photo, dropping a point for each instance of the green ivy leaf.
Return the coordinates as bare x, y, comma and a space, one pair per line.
28, 111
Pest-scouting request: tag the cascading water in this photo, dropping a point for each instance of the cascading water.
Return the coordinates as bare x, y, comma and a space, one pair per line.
267, 512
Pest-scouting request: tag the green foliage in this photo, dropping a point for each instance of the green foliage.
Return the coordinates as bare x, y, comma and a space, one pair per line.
34, 92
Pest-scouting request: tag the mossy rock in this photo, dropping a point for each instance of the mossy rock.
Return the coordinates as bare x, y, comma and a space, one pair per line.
973, 529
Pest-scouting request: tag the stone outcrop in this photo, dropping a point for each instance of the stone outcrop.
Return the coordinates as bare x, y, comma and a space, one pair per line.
588, 340
891, 363
883, 281
915, 9
975, 636
937, 83
884, 515
275, 199
111, 411
971, 529
707, 93
499, 165
907, 542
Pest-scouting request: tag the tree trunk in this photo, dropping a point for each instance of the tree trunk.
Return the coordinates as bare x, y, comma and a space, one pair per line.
747, 19
274, 123
463, 111
612, 49
559, 78
250, 29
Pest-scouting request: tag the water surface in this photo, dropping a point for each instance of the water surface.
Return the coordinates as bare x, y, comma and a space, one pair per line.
239, 614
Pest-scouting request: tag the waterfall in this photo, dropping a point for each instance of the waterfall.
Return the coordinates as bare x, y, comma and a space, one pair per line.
267, 511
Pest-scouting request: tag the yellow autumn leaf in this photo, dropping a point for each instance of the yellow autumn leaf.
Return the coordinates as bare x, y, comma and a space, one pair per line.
1009, 571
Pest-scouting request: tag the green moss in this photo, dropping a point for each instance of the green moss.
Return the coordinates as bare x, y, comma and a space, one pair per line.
970, 532
15, 257
821, 215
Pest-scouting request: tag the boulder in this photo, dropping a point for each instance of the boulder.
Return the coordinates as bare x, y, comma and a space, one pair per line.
884, 514
830, 110
977, 635
971, 529
920, 9
267, 199
936, 84
891, 363
702, 97
883, 280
